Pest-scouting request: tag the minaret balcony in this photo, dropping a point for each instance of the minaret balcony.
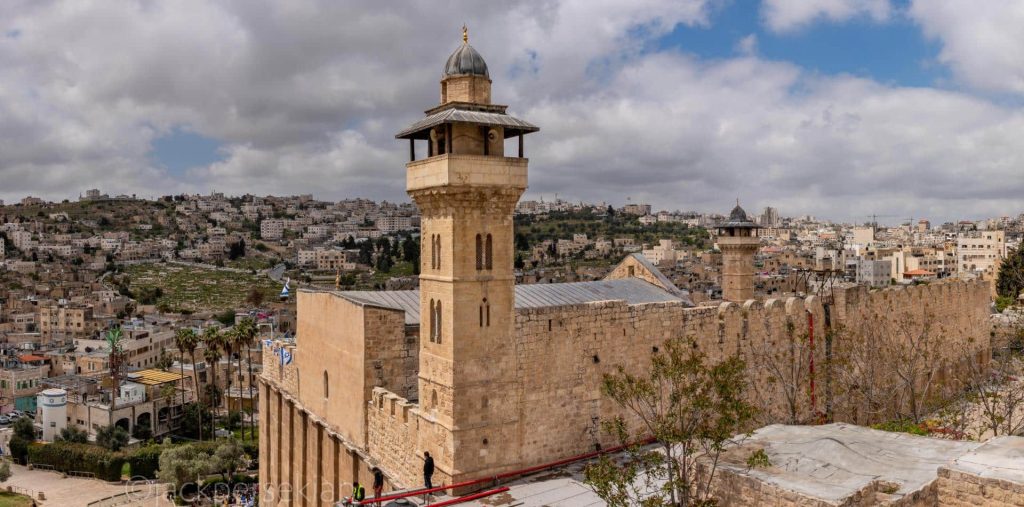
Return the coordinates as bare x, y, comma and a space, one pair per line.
457, 170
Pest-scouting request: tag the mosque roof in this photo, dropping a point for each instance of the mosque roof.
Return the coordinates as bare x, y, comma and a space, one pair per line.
633, 291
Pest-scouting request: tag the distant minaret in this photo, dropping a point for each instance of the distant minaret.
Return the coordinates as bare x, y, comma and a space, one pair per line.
737, 238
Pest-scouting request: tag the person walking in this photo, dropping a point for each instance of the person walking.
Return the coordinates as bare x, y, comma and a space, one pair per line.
378, 484
428, 469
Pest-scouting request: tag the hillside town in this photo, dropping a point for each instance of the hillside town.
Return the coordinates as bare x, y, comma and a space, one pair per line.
67, 269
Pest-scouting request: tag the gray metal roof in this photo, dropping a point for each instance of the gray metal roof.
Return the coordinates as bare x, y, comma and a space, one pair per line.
407, 300
419, 129
633, 291
663, 280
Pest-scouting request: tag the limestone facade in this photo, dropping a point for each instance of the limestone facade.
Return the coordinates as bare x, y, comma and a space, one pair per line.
552, 406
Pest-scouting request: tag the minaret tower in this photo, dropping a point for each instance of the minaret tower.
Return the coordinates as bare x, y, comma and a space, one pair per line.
737, 238
466, 190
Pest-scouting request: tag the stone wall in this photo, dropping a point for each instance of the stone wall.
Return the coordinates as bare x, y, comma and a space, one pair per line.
958, 488
400, 432
731, 489
561, 353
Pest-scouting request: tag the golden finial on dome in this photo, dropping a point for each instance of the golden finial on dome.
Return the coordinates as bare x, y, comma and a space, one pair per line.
465, 34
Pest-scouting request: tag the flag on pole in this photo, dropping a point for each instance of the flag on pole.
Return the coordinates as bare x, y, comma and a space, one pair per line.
284, 355
284, 290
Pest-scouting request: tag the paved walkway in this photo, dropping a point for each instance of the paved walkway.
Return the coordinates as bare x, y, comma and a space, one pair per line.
70, 491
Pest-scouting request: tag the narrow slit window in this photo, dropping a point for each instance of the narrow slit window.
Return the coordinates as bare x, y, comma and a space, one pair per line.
490, 257
479, 253
439, 328
433, 324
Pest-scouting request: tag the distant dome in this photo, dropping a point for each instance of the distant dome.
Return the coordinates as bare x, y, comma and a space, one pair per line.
466, 60
738, 215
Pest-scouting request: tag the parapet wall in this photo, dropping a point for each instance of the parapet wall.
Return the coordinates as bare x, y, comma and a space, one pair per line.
562, 353
399, 433
285, 376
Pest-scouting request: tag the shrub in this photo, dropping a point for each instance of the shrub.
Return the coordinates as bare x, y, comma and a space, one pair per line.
145, 461
72, 457
19, 449
902, 426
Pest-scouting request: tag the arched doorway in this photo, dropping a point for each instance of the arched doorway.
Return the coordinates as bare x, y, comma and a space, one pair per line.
144, 419
124, 423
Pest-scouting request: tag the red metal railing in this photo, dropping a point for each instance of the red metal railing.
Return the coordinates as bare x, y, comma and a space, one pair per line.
502, 476
468, 498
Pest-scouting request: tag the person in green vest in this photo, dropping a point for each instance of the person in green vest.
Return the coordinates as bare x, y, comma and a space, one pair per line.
358, 492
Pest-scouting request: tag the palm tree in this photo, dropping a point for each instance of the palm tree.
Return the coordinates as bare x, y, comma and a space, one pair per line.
185, 339
240, 339
212, 355
227, 342
247, 333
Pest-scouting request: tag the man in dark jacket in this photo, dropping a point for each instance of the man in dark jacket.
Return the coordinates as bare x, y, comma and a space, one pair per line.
428, 469
378, 483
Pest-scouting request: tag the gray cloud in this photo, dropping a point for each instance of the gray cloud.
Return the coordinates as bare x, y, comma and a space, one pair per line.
306, 96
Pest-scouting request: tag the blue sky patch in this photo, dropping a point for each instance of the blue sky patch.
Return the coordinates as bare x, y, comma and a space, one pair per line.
181, 150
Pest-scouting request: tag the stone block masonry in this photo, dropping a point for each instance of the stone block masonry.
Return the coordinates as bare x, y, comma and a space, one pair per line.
562, 352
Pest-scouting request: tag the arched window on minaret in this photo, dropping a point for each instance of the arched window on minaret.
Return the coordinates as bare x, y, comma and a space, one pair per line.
433, 252
489, 253
438, 321
438, 251
487, 313
479, 252
327, 386
433, 324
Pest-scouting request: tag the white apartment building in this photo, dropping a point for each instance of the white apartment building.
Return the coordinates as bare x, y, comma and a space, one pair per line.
874, 273
637, 209
980, 251
662, 253
391, 223
272, 229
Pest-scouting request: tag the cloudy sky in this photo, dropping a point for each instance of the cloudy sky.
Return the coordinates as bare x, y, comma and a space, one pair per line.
837, 108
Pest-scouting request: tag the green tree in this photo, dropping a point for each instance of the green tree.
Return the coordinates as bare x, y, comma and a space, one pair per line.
5, 471
74, 435
112, 437
23, 428
410, 250
1010, 282
185, 339
522, 242
142, 432
165, 361
227, 458
182, 465
690, 408
23, 435
366, 252
236, 250
233, 420
195, 419
226, 317
384, 263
